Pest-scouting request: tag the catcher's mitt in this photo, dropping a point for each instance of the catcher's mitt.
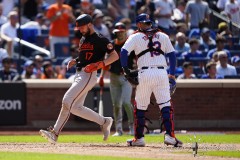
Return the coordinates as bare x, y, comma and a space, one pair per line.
132, 77
173, 85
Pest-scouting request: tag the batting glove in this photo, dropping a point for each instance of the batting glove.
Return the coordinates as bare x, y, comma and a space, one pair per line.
94, 67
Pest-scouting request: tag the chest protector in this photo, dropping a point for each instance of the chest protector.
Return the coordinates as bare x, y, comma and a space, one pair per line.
150, 34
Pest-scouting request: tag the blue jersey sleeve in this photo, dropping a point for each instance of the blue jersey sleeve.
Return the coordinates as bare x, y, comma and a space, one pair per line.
124, 57
172, 62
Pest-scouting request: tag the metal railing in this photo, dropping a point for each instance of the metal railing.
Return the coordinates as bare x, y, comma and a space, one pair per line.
33, 46
226, 19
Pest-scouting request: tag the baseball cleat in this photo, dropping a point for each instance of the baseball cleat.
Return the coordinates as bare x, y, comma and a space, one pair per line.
106, 127
168, 140
49, 135
136, 142
118, 133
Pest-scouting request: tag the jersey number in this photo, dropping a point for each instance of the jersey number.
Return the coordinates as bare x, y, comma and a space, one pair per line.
156, 45
88, 55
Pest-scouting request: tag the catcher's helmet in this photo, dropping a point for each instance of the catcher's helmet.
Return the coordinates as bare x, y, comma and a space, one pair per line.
144, 18
83, 20
119, 27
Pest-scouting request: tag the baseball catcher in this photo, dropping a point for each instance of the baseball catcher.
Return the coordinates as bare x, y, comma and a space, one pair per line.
151, 46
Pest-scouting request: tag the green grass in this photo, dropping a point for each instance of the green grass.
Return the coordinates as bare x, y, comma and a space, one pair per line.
204, 138
47, 156
186, 138
232, 154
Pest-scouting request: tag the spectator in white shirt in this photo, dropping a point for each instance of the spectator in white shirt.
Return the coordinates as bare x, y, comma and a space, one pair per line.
99, 26
221, 4
232, 9
223, 68
163, 14
9, 31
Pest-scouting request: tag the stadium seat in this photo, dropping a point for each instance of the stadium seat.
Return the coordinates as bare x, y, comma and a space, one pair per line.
235, 53
236, 47
180, 61
18, 64
234, 39
45, 31
233, 47
28, 34
232, 77
198, 71
212, 47
238, 70
204, 54
62, 51
199, 60
42, 41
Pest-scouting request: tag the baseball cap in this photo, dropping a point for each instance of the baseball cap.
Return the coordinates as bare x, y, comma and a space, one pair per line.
44, 7
97, 14
235, 59
119, 27
144, 18
205, 30
39, 16
28, 63
222, 25
83, 20
7, 60
46, 64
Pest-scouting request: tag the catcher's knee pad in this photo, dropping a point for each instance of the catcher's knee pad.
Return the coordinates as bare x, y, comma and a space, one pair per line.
167, 120
139, 123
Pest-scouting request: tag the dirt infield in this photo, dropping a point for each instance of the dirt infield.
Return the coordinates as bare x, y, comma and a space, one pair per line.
121, 150
154, 151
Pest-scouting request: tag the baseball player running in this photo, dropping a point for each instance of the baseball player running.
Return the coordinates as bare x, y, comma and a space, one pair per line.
151, 46
93, 48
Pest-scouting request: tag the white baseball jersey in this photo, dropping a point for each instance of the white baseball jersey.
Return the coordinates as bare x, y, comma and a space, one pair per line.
139, 42
151, 80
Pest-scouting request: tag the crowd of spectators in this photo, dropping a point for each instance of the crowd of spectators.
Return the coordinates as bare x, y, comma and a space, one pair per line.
202, 50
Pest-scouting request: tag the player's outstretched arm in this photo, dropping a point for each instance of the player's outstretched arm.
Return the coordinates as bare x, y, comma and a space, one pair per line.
71, 63
113, 56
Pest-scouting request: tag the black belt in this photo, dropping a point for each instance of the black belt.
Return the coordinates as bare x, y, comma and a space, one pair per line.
159, 67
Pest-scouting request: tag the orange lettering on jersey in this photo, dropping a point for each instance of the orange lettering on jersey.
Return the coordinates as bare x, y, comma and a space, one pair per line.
87, 46
88, 55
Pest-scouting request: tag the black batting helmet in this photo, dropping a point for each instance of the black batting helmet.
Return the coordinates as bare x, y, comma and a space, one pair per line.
83, 20
119, 27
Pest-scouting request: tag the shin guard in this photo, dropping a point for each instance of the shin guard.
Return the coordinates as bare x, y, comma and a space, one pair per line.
139, 123
167, 120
